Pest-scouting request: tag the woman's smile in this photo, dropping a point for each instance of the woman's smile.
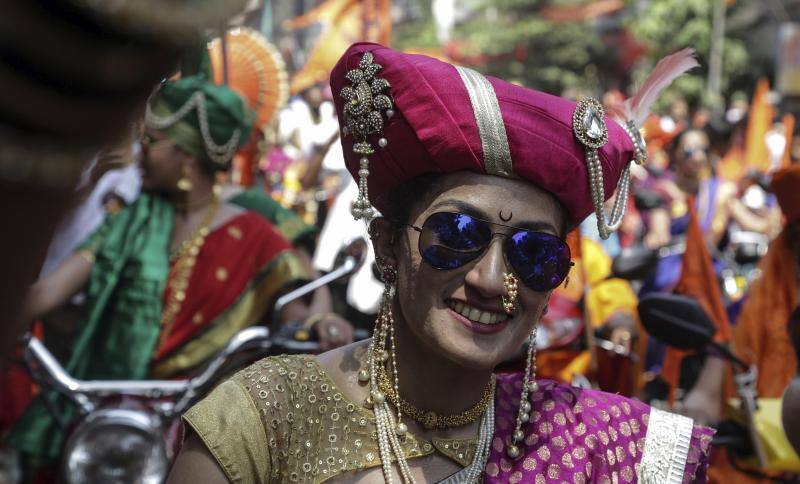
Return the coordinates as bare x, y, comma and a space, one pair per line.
479, 320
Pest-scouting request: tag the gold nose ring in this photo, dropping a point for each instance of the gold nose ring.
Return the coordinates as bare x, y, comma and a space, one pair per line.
510, 299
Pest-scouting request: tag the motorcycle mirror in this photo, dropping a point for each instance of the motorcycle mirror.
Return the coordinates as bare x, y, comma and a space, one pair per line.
357, 249
677, 321
348, 260
635, 263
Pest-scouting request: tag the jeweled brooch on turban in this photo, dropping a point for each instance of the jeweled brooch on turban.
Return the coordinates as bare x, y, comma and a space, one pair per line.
366, 109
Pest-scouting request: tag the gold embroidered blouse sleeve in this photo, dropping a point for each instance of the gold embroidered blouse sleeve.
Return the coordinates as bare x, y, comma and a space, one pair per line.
228, 423
313, 432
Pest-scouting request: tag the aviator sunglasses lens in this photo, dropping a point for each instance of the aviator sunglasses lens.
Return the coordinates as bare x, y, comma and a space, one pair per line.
450, 240
541, 260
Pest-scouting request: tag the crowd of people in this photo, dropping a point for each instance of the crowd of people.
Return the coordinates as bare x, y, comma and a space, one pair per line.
507, 362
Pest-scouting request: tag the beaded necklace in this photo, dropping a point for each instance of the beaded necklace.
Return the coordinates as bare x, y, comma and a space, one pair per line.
390, 429
184, 257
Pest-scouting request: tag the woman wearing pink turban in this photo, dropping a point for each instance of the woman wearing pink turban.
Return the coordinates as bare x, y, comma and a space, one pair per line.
478, 182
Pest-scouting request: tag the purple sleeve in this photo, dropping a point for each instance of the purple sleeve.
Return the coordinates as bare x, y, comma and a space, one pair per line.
697, 459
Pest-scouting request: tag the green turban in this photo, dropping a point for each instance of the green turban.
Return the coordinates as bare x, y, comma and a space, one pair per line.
207, 120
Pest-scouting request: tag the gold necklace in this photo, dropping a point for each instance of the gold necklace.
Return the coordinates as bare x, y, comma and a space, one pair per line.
428, 418
216, 191
185, 258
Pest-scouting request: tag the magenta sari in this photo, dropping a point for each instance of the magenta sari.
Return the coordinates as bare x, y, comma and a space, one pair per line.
576, 435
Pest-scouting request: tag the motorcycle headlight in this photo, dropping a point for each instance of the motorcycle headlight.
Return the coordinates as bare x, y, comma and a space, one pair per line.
116, 447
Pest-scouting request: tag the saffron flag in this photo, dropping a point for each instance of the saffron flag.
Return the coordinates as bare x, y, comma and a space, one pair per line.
343, 22
758, 124
699, 281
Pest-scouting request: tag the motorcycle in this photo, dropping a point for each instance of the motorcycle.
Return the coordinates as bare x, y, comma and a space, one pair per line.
680, 322
129, 431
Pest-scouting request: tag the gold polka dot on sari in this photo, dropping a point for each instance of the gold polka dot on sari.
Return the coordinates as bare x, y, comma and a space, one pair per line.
543, 453
529, 464
221, 274
498, 445
235, 232
627, 474
610, 457
635, 427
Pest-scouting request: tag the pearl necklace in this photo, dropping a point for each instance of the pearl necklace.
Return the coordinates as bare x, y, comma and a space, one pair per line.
389, 430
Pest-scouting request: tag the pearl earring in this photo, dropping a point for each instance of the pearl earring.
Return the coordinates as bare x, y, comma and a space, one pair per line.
529, 385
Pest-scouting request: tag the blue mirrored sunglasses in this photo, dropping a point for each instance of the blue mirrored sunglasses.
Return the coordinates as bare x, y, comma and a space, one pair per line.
450, 240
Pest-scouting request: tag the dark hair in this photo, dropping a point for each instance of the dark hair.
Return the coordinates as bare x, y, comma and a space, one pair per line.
408, 195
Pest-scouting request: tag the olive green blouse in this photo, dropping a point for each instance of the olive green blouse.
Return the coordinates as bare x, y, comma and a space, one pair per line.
282, 419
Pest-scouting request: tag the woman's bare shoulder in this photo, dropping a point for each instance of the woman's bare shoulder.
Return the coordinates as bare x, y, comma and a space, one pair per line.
195, 463
342, 366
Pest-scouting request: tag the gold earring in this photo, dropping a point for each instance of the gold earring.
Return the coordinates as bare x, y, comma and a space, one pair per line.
529, 385
185, 182
510, 299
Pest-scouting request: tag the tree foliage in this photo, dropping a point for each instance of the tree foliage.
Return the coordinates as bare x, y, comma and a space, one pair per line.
519, 44
514, 41
665, 26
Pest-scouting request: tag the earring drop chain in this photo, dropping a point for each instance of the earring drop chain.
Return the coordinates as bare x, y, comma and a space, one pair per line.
529, 385
382, 359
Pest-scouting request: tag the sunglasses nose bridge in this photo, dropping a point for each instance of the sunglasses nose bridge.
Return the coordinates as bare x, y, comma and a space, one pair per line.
486, 275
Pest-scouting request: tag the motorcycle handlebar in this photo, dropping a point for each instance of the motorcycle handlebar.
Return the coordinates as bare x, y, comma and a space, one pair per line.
83, 392
347, 267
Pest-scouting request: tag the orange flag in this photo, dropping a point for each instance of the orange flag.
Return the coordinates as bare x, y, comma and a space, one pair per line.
699, 282
758, 124
343, 22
